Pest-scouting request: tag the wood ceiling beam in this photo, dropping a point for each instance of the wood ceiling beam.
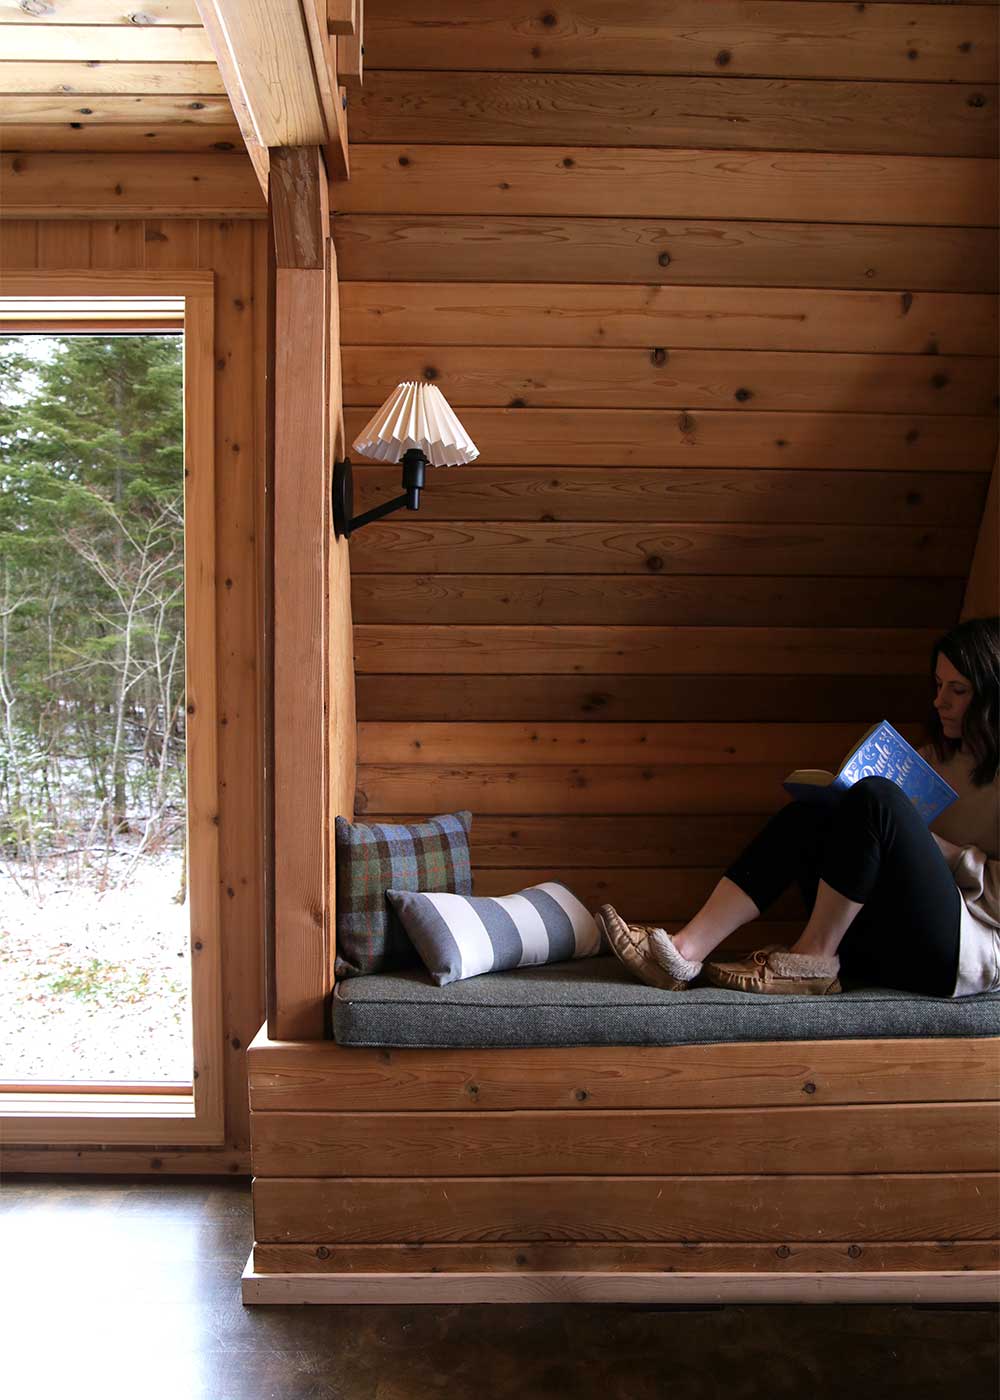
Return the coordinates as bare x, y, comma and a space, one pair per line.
268, 50
237, 96
279, 69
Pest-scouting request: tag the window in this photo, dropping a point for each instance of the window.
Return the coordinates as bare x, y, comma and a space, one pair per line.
157, 616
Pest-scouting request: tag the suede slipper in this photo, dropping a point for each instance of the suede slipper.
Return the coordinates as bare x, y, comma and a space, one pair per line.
778, 971
652, 962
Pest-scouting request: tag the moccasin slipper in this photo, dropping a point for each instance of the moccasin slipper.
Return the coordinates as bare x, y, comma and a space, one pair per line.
777, 971
647, 951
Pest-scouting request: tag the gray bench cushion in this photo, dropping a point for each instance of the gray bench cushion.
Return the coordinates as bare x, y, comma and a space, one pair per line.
594, 1001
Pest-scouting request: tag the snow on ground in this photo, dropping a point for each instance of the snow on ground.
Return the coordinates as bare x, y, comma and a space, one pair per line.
95, 985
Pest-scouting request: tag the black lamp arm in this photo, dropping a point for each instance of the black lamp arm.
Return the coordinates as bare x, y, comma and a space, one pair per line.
377, 512
342, 490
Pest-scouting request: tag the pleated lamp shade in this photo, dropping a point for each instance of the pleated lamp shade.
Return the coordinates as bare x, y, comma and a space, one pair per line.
416, 415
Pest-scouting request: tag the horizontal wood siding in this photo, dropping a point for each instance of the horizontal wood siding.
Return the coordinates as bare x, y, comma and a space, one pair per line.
703, 1142
744, 1208
775, 38
812, 1157
322, 1076
734, 385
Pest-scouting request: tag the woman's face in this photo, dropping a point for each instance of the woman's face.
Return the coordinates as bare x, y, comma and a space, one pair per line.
952, 694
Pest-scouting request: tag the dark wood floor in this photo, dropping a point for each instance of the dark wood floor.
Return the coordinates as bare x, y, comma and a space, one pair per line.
116, 1289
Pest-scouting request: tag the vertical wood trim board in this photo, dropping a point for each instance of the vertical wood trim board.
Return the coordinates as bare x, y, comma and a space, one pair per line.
300, 519
313, 669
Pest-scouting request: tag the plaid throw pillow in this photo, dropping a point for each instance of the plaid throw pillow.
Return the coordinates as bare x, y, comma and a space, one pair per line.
431, 855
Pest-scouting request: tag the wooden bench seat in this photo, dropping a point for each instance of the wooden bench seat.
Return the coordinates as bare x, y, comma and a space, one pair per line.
808, 1170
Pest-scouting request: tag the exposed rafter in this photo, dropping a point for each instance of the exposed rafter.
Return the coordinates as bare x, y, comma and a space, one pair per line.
237, 97
278, 64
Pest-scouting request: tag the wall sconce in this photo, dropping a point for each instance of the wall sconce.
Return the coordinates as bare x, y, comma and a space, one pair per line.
416, 425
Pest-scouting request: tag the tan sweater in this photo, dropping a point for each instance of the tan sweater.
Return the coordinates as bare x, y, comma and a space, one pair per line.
971, 827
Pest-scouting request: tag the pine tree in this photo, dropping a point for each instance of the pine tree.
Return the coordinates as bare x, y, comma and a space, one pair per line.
91, 575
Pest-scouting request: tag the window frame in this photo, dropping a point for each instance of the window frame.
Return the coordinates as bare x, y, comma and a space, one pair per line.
160, 1115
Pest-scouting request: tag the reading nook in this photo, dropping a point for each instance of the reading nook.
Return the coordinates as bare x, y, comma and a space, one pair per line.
590, 430
708, 537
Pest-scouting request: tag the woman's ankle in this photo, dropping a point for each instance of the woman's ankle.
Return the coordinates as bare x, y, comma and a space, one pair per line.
815, 946
693, 945
727, 908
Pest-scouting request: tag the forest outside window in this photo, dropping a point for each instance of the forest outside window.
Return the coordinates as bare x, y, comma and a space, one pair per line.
110, 1028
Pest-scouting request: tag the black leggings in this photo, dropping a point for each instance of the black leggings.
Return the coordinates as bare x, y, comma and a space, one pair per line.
873, 847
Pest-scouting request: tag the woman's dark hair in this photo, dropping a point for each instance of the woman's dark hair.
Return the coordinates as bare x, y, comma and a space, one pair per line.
973, 648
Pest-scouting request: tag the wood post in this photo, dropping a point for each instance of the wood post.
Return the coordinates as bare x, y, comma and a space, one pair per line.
305, 381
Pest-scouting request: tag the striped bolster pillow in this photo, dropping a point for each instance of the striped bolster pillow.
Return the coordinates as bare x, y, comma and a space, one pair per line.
460, 936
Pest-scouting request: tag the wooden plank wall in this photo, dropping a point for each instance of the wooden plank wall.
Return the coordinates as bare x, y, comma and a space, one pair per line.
375, 1168
236, 250
717, 302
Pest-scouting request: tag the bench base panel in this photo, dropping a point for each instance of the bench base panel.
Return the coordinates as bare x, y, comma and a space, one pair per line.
772, 1172
952, 1286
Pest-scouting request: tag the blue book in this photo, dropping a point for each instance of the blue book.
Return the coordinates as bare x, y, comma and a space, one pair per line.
881, 753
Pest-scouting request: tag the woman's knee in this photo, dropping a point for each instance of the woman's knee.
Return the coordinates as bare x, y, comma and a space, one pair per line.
877, 789
798, 812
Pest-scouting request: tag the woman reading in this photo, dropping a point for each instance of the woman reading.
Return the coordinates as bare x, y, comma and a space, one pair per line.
893, 903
